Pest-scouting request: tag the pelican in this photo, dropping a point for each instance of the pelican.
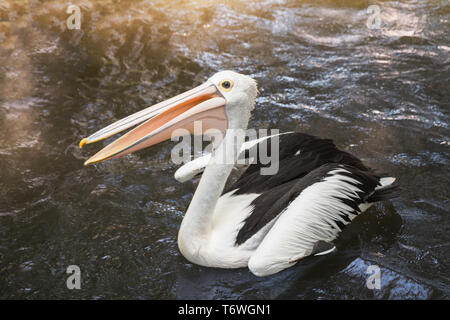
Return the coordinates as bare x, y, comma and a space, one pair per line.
264, 222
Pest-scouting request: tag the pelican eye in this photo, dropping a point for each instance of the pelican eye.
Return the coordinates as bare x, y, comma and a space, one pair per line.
226, 85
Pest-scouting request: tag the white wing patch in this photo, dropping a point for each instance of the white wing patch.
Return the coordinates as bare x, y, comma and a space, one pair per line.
190, 169
228, 216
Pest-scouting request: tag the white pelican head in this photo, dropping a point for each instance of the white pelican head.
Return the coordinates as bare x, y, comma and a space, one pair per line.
224, 101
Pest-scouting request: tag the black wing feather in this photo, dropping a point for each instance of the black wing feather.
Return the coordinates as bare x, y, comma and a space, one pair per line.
314, 152
316, 159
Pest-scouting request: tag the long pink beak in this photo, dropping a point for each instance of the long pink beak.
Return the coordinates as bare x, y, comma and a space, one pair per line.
204, 103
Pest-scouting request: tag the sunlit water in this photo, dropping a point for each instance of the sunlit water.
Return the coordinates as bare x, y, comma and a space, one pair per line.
382, 94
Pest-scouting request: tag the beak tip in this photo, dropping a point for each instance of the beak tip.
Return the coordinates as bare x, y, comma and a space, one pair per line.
95, 159
82, 143
89, 161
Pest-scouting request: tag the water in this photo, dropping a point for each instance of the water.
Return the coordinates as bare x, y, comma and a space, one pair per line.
382, 94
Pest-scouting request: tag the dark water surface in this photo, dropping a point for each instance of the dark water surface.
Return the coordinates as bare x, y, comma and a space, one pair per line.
382, 94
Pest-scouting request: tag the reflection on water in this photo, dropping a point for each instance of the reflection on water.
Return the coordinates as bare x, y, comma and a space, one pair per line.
381, 93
